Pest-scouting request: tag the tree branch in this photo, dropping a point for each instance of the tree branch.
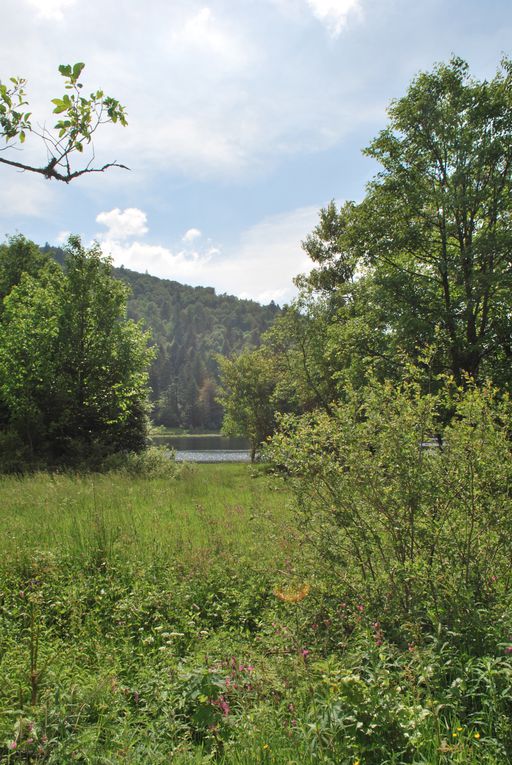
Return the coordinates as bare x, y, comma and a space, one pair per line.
50, 171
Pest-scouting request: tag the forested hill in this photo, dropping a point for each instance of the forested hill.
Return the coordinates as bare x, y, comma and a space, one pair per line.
189, 326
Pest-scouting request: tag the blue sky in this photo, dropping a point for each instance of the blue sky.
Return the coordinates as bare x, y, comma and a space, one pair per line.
245, 117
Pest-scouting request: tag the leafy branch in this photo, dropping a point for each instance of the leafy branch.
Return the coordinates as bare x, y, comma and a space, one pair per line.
79, 118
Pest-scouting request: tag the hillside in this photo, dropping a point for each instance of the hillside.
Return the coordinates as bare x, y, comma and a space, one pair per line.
189, 326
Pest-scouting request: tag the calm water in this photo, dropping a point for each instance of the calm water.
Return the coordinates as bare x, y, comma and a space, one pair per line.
206, 448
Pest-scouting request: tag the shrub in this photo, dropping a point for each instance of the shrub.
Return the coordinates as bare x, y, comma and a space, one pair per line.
419, 527
154, 462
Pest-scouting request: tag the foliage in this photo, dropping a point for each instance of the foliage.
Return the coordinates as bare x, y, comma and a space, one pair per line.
189, 327
413, 516
424, 259
73, 379
160, 637
79, 118
246, 394
153, 462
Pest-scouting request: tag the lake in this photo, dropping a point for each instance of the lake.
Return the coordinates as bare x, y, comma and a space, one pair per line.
210, 448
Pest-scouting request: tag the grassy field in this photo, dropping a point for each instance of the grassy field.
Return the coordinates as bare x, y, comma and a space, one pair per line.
184, 621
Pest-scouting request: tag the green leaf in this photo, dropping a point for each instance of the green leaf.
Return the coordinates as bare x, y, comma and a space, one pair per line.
77, 70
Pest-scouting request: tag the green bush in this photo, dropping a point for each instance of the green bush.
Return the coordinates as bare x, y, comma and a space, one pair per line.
154, 462
413, 516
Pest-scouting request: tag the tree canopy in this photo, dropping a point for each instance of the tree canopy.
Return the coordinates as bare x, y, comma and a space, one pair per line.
420, 271
73, 369
425, 258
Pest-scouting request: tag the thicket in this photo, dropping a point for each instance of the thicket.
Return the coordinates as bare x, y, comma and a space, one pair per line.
73, 368
412, 515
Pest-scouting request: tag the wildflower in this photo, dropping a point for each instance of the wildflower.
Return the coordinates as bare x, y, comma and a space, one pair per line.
305, 653
459, 729
222, 704
292, 596
477, 735
508, 649
265, 746
455, 735
360, 608
12, 745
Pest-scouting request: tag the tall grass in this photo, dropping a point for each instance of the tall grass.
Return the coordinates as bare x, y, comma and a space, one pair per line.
209, 510
182, 621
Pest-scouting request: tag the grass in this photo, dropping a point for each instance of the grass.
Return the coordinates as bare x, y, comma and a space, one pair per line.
210, 508
139, 624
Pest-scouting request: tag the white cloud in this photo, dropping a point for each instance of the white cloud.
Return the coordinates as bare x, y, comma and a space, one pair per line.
334, 13
270, 253
122, 224
267, 253
51, 10
185, 266
191, 234
25, 195
207, 36
62, 237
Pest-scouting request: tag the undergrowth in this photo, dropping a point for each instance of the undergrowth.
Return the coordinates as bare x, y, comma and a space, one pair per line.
183, 620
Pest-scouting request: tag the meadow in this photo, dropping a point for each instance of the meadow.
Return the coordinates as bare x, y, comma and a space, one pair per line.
185, 620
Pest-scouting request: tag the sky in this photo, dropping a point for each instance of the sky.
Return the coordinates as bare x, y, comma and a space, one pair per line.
246, 117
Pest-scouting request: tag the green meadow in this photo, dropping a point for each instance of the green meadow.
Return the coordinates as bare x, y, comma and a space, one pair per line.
182, 620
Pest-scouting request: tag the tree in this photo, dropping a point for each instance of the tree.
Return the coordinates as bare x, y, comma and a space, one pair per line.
73, 370
79, 118
426, 257
246, 388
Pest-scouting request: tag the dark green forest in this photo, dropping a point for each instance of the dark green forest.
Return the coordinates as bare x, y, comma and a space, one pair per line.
189, 327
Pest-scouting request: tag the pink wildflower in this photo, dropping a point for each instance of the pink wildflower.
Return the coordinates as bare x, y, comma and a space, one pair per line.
222, 704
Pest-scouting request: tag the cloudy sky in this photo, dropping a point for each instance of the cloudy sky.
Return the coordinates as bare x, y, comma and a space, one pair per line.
245, 117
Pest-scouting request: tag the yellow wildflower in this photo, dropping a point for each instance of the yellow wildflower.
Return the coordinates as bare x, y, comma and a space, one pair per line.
292, 596
477, 735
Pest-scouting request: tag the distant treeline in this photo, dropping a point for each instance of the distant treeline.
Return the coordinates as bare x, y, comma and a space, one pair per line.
189, 326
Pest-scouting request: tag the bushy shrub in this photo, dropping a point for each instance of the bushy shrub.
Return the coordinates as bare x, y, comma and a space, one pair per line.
411, 515
154, 462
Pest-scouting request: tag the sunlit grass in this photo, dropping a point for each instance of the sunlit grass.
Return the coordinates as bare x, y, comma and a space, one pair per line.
208, 509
